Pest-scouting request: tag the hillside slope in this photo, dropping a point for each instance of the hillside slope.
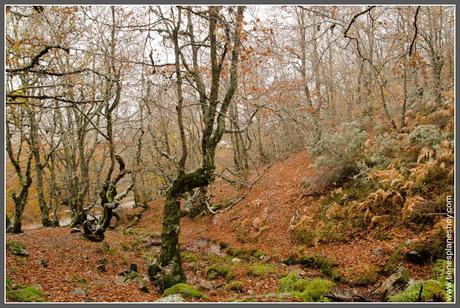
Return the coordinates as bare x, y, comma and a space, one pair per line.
259, 226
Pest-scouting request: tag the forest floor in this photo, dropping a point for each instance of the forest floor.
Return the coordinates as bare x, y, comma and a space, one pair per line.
67, 267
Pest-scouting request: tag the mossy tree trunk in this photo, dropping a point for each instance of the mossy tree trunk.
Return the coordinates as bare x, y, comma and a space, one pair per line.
168, 271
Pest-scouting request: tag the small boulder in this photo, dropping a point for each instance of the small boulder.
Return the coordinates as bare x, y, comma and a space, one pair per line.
394, 283
78, 292
75, 230
142, 285
236, 260
417, 257
17, 249
215, 249
153, 243
206, 285
175, 298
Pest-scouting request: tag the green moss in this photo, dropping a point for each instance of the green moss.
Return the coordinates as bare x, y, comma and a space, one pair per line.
319, 262
306, 290
304, 235
261, 269
235, 286
105, 248
217, 271
244, 253
425, 291
315, 289
365, 279
393, 261
189, 257
21, 293
291, 283
17, 248
185, 290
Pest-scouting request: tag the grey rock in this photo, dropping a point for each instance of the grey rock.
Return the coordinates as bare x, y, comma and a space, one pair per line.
236, 260
175, 298
394, 283
206, 285
79, 292
215, 249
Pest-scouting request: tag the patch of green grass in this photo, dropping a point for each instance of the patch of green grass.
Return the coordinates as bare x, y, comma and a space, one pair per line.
235, 286
189, 257
393, 261
80, 280
291, 283
21, 293
261, 269
217, 271
17, 248
106, 248
185, 290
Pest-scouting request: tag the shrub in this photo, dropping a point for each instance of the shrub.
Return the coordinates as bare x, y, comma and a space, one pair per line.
338, 155
425, 135
183, 289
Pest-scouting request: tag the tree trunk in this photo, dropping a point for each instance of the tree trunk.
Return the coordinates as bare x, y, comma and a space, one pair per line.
167, 271
35, 148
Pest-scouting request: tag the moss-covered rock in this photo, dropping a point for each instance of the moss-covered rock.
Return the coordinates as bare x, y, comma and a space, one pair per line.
184, 290
261, 269
17, 248
315, 289
319, 262
220, 270
22, 293
306, 290
189, 257
367, 278
235, 286
244, 253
